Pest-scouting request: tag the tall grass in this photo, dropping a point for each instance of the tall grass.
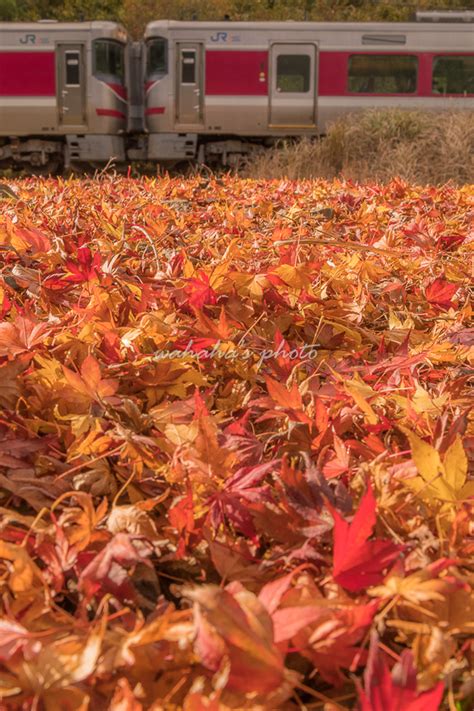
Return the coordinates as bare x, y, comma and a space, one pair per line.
419, 146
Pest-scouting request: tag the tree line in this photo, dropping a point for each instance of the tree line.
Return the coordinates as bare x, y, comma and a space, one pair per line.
135, 14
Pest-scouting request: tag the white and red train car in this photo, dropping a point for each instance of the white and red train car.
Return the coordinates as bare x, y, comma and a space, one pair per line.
252, 81
63, 92
214, 91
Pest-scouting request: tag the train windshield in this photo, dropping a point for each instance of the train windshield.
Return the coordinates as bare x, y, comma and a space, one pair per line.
109, 60
157, 57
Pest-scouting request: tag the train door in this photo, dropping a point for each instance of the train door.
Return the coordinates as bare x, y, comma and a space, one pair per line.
293, 85
71, 84
189, 89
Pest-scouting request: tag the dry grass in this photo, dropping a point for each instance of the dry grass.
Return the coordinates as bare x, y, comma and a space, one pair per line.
418, 146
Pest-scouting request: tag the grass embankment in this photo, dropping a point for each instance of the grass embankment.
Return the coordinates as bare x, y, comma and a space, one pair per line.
419, 146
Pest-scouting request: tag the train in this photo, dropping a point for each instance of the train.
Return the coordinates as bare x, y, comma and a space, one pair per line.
214, 92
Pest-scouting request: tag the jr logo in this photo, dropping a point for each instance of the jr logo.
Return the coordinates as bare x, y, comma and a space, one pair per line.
219, 37
28, 39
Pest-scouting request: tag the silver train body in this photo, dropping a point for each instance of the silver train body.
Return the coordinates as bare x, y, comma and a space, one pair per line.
77, 93
57, 102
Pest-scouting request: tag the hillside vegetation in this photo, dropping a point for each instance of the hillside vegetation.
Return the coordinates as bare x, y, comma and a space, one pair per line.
136, 13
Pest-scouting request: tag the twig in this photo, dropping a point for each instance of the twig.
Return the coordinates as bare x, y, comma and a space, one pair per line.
318, 695
341, 243
78, 467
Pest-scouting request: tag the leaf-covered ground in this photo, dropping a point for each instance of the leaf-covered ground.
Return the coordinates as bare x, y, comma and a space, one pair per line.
236, 446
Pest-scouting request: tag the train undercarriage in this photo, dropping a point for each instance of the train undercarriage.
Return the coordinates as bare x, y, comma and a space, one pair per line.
32, 154
50, 156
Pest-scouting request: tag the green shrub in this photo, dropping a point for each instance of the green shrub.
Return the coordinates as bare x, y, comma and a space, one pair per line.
8, 10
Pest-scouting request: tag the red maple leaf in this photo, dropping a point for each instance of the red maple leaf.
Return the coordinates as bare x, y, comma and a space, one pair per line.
85, 269
396, 691
440, 292
358, 562
450, 241
181, 517
199, 291
240, 492
5, 305
109, 570
33, 239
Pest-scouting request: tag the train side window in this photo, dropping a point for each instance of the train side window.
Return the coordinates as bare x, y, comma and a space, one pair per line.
72, 59
293, 72
382, 73
453, 74
109, 61
157, 57
188, 66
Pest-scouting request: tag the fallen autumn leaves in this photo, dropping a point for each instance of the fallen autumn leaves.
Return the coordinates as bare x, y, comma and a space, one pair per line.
228, 529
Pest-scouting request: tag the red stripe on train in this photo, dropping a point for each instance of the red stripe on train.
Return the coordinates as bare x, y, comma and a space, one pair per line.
244, 73
155, 110
110, 112
118, 89
27, 74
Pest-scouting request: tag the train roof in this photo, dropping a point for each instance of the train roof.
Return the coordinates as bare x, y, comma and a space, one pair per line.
446, 26
53, 25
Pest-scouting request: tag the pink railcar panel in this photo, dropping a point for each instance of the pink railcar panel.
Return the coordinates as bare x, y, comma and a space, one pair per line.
27, 74
236, 73
332, 79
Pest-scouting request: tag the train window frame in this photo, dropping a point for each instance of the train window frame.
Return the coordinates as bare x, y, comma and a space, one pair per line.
448, 56
306, 75
157, 73
376, 56
68, 81
109, 75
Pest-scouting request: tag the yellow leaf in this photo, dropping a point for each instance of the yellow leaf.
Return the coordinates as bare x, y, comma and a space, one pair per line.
418, 588
219, 274
23, 571
296, 277
447, 479
94, 443
90, 383
250, 285
424, 403
394, 322
420, 487
69, 660
455, 465
188, 269
182, 434
359, 391
467, 492
428, 462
